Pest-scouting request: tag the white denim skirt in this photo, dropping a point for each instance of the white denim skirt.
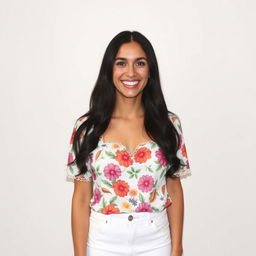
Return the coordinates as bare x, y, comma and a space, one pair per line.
129, 234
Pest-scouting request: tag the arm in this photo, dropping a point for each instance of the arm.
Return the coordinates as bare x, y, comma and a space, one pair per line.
176, 214
80, 215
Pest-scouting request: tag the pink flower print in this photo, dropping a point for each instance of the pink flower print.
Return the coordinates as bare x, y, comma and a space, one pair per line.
91, 157
70, 158
145, 183
180, 142
161, 157
143, 207
93, 173
187, 164
96, 196
112, 171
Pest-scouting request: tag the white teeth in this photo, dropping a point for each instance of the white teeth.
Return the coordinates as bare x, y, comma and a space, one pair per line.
130, 82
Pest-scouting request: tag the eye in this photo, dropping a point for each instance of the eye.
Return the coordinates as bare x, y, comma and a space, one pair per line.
120, 63
141, 63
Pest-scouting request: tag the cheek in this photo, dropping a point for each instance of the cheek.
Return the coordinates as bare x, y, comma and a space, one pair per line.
143, 72
117, 73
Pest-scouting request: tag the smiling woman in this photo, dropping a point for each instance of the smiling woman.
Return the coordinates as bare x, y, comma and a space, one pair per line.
127, 156
130, 72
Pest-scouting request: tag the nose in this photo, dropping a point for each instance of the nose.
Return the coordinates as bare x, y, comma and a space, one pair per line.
131, 70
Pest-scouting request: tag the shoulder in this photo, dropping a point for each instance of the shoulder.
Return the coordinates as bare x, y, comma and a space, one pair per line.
175, 120
173, 117
78, 121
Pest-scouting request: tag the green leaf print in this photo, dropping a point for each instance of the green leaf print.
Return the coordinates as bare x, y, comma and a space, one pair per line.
71, 169
133, 173
110, 154
113, 181
149, 169
159, 167
182, 163
153, 145
155, 183
155, 209
111, 201
162, 174
97, 170
104, 203
130, 172
141, 198
107, 183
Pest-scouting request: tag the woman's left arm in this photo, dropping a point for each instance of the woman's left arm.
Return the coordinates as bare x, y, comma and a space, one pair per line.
176, 214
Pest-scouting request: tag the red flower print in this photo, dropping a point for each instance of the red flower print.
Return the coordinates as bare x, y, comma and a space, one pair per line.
73, 135
110, 209
163, 189
161, 157
96, 196
183, 150
105, 190
168, 203
145, 183
174, 118
123, 158
142, 155
121, 188
112, 171
98, 154
133, 193
152, 197
143, 207
82, 118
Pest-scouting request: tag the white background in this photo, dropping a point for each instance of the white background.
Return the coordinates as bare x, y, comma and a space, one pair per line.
50, 55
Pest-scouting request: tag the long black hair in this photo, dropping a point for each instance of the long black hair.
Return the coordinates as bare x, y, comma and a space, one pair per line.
102, 101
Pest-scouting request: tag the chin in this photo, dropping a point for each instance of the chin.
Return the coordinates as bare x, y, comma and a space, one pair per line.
129, 93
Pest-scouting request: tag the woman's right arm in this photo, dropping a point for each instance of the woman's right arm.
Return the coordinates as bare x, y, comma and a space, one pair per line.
80, 215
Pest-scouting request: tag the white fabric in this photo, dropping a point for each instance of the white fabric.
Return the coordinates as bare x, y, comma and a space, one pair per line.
147, 234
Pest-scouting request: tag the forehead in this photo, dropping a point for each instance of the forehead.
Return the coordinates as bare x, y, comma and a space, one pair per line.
131, 50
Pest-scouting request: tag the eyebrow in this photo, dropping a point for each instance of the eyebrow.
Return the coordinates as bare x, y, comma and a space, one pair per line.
140, 58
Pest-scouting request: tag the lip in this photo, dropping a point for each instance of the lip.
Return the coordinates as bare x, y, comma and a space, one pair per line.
130, 86
134, 80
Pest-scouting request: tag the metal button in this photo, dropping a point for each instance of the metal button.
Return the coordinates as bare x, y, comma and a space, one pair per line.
130, 217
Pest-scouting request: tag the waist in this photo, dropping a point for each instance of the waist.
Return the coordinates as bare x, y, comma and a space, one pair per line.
128, 217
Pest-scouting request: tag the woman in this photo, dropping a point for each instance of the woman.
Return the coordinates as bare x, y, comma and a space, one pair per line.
129, 157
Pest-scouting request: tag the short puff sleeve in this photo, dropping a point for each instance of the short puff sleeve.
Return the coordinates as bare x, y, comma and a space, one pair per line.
71, 169
184, 170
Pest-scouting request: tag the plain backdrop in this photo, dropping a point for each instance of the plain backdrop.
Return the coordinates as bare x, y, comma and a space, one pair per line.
50, 55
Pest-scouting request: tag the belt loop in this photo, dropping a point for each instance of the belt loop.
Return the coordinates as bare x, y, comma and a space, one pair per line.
109, 218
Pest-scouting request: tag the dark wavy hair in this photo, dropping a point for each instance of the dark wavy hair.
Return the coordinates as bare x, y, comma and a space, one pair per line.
157, 123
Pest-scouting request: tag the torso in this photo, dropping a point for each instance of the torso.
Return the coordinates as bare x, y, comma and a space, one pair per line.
129, 133
128, 174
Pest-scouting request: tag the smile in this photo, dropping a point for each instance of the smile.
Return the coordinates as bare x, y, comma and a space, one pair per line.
130, 84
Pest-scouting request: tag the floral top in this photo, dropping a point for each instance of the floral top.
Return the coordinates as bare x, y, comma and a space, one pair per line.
124, 182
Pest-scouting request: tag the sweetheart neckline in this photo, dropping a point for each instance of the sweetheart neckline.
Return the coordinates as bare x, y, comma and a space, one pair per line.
126, 149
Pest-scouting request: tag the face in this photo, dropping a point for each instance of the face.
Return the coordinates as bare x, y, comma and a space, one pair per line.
130, 70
